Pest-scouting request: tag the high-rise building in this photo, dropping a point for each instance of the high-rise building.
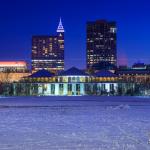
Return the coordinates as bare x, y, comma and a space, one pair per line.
48, 51
101, 43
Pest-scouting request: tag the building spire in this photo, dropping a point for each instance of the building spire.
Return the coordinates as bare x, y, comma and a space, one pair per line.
60, 27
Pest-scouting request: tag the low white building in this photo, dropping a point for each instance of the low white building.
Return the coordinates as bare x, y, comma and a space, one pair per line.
70, 82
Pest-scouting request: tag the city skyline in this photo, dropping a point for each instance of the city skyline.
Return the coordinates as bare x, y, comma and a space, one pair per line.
21, 20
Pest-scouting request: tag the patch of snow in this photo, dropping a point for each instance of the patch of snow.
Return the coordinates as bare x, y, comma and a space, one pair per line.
74, 123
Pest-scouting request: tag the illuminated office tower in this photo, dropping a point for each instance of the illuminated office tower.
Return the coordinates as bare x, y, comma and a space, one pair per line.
101, 43
48, 51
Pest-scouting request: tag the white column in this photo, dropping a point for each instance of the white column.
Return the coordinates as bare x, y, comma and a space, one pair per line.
48, 91
82, 92
74, 89
65, 89
107, 85
40, 89
56, 89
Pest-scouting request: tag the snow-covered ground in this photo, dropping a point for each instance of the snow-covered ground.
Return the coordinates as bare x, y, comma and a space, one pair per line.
75, 123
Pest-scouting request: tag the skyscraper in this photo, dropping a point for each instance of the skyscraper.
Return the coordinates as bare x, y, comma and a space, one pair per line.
101, 43
48, 51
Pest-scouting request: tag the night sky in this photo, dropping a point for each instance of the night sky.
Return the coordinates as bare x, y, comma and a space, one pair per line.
20, 19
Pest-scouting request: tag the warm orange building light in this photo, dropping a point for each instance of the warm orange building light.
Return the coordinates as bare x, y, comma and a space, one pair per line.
13, 64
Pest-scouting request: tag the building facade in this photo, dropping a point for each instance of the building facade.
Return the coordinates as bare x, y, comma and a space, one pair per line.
48, 51
72, 82
101, 43
13, 71
13, 66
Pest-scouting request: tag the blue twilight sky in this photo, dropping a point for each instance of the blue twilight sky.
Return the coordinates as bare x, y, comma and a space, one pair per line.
20, 19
